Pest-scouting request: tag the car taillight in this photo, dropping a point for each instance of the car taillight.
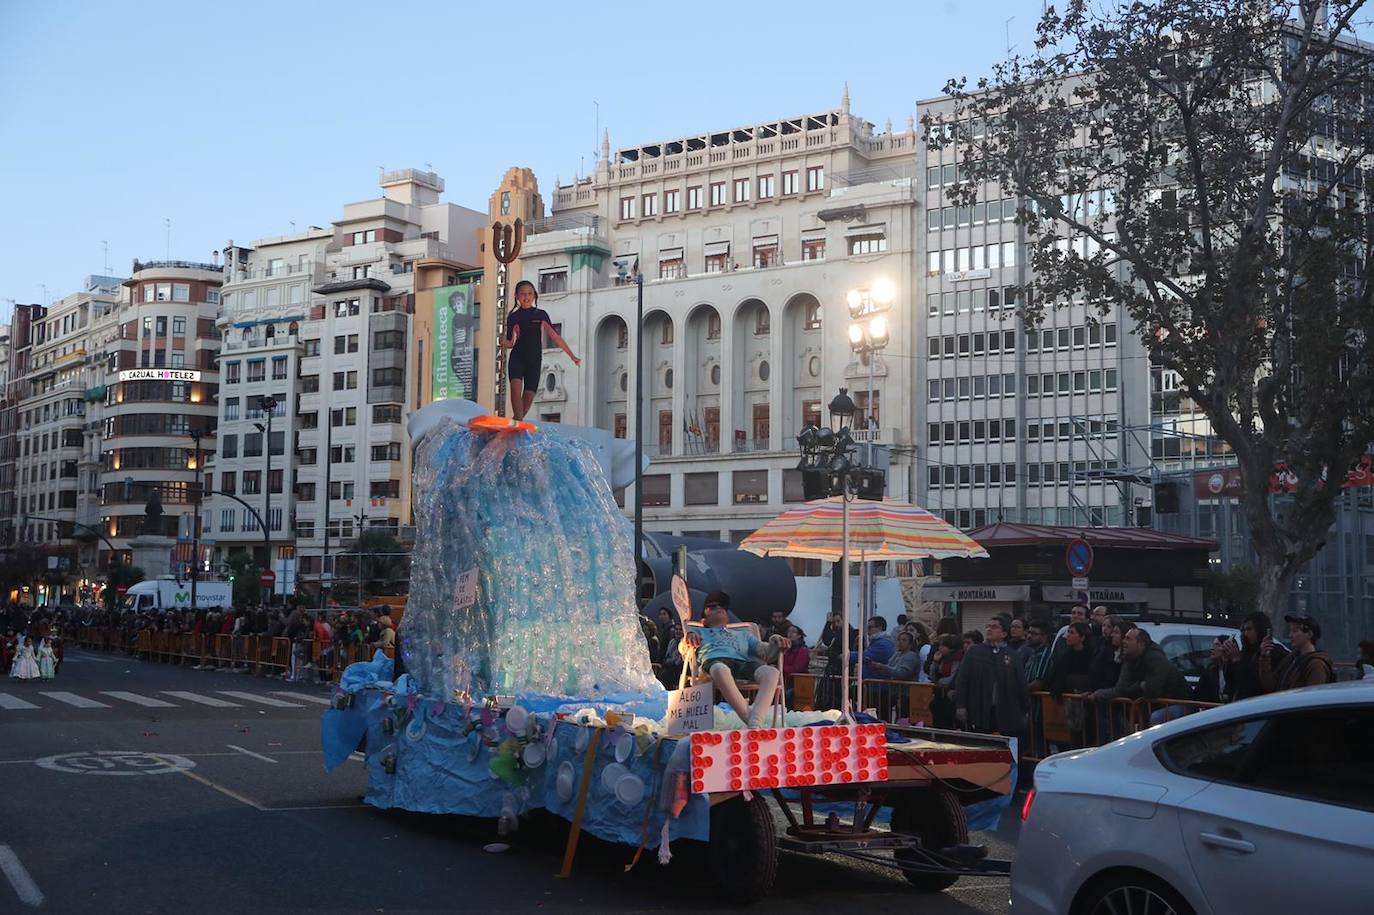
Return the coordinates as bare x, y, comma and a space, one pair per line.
1026, 807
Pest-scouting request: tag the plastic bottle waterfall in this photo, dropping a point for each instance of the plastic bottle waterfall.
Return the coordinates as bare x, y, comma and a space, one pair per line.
554, 614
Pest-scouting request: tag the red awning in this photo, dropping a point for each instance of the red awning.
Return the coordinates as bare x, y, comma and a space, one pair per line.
1007, 534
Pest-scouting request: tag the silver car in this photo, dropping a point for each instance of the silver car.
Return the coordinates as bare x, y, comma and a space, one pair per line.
1265, 805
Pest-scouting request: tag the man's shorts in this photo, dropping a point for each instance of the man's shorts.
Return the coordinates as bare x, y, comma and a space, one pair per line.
740, 670
527, 371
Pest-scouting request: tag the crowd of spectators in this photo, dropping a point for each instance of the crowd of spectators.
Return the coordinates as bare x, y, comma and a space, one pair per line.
337, 631
985, 680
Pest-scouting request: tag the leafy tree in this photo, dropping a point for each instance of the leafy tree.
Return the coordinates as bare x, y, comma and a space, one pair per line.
1233, 592
120, 574
1230, 137
383, 559
244, 570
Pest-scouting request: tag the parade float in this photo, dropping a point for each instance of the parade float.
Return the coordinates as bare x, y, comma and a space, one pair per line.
524, 683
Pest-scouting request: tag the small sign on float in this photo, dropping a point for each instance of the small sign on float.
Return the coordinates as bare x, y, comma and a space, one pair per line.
466, 595
691, 709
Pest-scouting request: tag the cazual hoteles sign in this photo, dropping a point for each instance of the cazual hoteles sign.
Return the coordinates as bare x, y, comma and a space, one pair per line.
159, 375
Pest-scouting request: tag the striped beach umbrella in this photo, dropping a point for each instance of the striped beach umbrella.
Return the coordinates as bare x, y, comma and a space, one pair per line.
878, 531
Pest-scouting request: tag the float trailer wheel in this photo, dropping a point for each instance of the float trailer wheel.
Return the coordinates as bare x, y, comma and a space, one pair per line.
935, 816
744, 850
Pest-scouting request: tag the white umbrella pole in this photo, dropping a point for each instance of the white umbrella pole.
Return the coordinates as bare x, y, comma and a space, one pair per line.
862, 627
844, 607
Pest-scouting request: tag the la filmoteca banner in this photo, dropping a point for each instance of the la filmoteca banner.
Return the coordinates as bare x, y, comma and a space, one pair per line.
159, 375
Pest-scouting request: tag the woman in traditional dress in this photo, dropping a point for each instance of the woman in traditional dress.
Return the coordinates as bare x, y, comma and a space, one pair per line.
25, 666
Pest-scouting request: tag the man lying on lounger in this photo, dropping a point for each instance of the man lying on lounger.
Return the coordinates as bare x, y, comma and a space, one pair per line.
729, 654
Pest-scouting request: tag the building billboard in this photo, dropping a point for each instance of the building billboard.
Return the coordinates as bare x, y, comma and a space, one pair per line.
455, 321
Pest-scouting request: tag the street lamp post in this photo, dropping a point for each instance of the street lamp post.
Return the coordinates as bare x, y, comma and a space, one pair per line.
195, 533
358, 555
639, 423
269, 406
869, 333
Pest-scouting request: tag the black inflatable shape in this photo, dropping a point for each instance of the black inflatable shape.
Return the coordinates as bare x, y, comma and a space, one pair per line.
757, 586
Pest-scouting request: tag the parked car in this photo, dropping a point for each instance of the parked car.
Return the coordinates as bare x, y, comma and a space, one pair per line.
1187, 645
1264, 805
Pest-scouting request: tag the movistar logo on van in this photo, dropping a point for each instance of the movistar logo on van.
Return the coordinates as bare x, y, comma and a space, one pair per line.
181, 596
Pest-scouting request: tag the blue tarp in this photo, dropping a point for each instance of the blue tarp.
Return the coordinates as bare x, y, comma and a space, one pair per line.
440, 769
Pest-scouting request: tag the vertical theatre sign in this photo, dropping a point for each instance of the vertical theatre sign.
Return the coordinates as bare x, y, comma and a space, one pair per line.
454, 324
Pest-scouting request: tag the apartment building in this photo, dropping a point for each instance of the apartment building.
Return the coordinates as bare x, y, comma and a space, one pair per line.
323, 324
52, 426
160, 384
748, 240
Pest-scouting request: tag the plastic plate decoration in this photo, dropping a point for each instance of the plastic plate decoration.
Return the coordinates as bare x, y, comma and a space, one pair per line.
613, 773
517, 719
564, 784
624, 747
584, 734
629, 789
416, 729
534, 755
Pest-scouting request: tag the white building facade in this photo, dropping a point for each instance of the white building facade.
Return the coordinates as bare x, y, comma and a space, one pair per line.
748, 241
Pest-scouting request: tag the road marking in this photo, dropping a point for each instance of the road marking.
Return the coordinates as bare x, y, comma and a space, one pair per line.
74, 699
19, 878
82, 656
203, 700
115, 762
136, 699
251, 753
264, 700
227, 792
322, 700
8, 701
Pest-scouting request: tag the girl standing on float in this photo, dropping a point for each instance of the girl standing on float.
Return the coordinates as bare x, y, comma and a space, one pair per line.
525, 329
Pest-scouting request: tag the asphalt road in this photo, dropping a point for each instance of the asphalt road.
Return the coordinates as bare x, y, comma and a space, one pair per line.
129, 786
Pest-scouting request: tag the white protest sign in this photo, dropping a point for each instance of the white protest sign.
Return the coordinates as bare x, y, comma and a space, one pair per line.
682, 600
691, 709
465, 594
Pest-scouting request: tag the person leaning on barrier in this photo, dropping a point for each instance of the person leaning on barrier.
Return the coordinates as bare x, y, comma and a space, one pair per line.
879, 649
1306, 664
905, 663
1146, 672
1036, 656
1073, 667
990, 694
1240, 665
1106, 663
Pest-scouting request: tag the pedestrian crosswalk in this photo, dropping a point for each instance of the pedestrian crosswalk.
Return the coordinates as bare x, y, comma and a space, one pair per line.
114, 700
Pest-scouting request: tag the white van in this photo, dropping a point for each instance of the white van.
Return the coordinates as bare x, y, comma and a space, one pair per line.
163, 594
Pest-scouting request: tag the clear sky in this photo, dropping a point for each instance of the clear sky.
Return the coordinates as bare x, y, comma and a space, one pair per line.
234, 120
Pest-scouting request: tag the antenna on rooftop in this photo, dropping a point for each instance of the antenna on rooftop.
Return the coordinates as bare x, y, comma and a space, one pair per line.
106, 246
1006, 27
168, 222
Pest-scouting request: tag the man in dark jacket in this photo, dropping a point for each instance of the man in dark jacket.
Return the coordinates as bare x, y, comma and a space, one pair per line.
1147, 673
990, 694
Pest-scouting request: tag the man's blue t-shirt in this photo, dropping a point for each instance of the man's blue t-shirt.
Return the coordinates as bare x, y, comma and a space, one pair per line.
727, 644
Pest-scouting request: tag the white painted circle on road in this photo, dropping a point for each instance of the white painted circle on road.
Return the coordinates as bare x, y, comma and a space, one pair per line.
116, 762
